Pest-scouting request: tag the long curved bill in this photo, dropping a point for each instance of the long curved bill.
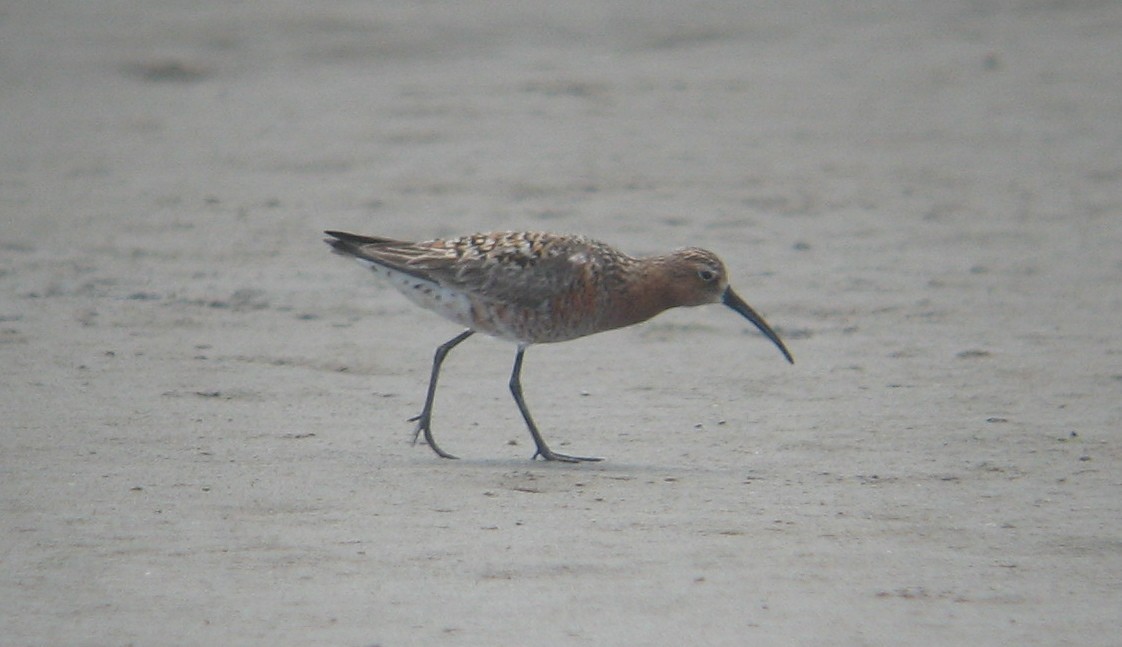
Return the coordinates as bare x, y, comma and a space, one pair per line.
733, 300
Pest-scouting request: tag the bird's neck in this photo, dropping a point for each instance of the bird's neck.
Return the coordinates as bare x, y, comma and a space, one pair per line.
646, 292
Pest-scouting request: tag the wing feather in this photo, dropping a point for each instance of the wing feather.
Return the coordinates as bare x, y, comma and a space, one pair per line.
525, 269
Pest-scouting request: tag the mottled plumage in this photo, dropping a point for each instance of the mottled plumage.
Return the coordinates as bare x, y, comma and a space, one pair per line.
533, 288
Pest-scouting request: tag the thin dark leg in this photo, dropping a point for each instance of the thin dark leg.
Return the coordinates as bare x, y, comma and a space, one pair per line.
424, 421
543, 450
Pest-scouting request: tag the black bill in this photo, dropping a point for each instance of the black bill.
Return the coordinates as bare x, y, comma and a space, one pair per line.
733, 300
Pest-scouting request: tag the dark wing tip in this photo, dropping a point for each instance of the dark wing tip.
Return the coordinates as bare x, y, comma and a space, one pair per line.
359, 239
354, 238
343, 243
352, 244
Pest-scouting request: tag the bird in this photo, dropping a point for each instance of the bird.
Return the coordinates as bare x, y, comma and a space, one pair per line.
538, 288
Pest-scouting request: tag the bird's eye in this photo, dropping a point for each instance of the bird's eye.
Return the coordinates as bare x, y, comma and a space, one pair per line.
706, 275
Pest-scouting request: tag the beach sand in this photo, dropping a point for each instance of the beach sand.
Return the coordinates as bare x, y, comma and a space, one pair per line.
205, 438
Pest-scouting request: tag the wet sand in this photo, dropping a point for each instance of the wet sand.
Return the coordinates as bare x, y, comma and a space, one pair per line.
205, 437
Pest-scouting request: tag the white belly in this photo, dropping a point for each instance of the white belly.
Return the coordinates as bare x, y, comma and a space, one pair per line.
450, 304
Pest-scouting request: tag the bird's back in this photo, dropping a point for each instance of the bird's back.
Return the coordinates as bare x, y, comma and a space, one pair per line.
520, 286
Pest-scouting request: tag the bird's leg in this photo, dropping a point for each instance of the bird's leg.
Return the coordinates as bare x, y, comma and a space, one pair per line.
516, 390
424, 421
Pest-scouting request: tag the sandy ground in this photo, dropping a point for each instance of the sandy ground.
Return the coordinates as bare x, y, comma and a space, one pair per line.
204, 436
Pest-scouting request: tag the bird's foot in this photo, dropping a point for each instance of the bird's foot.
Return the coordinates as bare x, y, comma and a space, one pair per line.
424, 426
548, 454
